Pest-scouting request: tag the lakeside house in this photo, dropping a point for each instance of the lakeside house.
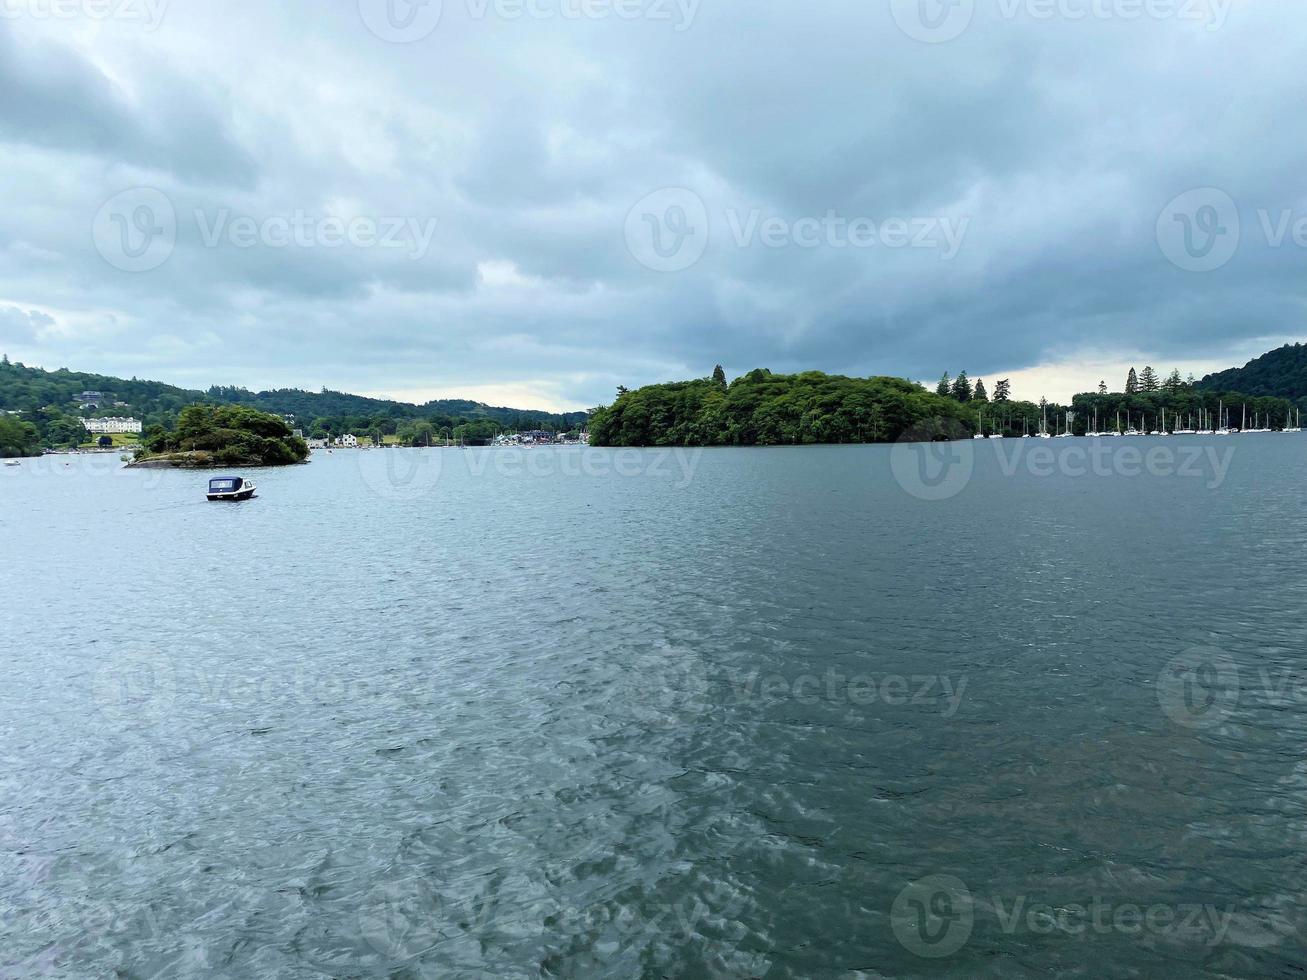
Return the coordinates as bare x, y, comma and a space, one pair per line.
107, 425
347, 441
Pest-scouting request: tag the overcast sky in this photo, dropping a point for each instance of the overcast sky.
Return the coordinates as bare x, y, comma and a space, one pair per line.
533, 201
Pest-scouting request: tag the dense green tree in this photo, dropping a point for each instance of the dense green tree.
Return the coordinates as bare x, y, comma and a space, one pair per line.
1003, 391
1131, 382
1148, 380
945, 387
1173, 382
719, 376
762, 408
18, 438
1102, 387
962, 387
980, 395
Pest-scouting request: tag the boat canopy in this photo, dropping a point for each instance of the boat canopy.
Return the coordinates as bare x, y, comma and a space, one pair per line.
225, 484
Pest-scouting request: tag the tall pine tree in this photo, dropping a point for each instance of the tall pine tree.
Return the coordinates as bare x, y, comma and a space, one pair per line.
945, 387
1003, 390
962, 387
1131, 382
1148, 380
980, 394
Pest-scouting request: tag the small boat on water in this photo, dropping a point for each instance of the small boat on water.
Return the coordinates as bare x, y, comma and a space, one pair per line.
230, 488
12, 462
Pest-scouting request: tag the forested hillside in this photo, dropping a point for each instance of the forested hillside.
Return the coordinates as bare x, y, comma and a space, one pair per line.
1281, 373
52, 402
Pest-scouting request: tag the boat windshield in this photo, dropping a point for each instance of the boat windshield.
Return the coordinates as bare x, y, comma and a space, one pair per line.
224, 484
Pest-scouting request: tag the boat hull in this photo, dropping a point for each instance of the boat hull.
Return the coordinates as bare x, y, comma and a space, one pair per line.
245, 493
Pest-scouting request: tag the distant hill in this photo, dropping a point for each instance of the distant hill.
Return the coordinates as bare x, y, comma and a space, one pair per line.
30, 389
1280, 373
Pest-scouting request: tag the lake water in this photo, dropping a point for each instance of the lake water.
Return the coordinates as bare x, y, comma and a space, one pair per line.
1002, 709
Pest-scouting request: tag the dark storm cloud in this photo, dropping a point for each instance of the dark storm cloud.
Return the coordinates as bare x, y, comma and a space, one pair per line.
1009, 184
56, 98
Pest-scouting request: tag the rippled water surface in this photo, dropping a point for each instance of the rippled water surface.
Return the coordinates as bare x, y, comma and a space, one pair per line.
781, 713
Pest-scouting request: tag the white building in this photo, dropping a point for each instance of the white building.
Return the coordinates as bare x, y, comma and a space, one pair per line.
102, 426
349, 442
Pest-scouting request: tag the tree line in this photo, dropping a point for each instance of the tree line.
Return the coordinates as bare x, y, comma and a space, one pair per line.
765, 409
49, 402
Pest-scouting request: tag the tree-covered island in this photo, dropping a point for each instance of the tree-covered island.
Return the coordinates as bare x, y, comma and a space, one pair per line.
222, 435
